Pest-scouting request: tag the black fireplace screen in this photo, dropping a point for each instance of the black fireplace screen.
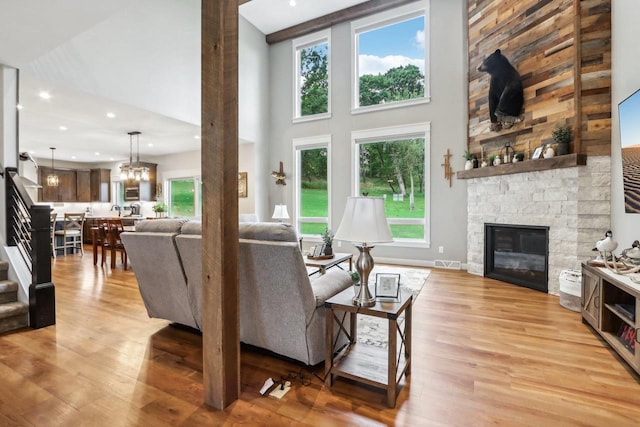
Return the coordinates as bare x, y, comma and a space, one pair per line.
517, 254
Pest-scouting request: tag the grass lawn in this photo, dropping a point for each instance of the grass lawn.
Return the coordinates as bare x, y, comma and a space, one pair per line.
314, 204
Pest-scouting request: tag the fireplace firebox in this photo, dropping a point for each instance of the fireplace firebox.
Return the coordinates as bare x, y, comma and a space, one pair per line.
517, 254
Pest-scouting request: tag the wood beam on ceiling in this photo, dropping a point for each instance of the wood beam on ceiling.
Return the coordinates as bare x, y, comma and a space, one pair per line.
349, 14
220, 246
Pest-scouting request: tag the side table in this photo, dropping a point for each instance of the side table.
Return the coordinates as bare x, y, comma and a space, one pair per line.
375, 366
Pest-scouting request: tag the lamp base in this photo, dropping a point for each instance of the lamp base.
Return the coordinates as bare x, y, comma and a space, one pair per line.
364, 265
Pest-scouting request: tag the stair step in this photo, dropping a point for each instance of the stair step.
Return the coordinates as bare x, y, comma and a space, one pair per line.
13, 315
15, 308
4, 268
8, 291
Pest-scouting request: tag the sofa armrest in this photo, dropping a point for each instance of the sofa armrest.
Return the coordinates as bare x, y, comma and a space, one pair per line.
330, 284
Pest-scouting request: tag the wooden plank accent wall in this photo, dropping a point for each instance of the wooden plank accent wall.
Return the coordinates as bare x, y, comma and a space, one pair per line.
543, 40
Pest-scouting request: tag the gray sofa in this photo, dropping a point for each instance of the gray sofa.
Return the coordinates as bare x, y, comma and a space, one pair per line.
281, 308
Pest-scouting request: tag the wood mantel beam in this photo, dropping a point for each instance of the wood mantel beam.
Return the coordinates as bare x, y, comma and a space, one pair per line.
220, 247
348, 14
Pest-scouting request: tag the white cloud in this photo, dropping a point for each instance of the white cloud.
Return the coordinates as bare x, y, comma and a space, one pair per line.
371, 64
419, 40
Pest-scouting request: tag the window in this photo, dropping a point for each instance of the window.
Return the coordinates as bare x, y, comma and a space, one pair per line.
393, 163
312, 76
185, 197
390, 58
312, 184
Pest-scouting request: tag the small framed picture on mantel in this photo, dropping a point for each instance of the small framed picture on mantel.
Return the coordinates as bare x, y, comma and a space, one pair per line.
537, 153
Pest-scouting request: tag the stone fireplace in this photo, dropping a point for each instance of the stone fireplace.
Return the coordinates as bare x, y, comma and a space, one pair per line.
573, 202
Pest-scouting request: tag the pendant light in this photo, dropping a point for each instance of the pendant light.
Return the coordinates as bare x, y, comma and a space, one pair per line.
134, 171
52, 178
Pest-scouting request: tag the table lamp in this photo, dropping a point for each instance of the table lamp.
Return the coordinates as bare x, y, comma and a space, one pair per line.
364, 222
280, 213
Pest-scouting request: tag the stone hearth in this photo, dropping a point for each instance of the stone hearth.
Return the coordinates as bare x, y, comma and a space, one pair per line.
573, 202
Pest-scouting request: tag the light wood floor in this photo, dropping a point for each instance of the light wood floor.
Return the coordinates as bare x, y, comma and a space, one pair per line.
485, 353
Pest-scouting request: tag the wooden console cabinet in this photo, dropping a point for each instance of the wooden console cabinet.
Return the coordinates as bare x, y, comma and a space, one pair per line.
611, 305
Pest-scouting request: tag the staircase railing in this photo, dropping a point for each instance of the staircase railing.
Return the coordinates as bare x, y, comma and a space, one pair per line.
29, 229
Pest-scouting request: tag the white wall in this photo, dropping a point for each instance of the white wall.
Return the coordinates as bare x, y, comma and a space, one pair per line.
625, 81
447, 113
253, 116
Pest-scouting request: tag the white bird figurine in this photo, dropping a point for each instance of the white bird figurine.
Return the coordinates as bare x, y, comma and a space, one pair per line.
634, 251
607, 244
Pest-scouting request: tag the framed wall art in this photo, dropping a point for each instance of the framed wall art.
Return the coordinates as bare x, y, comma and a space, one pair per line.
242, 184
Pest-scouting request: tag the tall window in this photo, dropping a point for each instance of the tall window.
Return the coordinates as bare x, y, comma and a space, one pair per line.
312, 184
393, 163
185, 197
390, 58
312, 76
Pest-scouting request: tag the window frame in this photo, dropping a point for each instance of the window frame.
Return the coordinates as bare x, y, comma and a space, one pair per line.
384, 19
301, 43
310, 143
416, 130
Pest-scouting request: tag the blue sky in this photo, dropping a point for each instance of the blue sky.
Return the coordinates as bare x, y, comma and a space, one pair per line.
392, 46
629, 111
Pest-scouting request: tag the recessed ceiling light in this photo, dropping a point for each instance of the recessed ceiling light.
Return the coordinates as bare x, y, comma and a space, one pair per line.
111, 158
32, 151
97, 154
111, 115
73, 157
197, 136
19, 107
292, 3
150, 144
63, 127
44, 95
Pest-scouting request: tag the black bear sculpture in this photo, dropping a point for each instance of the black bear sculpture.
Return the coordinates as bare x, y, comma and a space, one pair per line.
506, 99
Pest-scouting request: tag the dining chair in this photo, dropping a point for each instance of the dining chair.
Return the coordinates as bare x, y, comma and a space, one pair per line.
72, 232
52, 221
114, 229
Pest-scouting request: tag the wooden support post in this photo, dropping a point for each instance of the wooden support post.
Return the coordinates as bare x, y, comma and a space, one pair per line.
220, 317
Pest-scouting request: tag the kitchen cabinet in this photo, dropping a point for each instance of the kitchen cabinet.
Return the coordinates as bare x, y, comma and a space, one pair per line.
76, 185
101, 185
66, 189
83, 186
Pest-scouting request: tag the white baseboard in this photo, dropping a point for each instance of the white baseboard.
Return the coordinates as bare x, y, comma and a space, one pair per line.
421, 263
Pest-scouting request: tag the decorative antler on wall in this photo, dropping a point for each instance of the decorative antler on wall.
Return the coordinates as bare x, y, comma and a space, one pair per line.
279, 175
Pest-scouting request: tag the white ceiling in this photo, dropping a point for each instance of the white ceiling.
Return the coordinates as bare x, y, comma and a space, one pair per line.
139, 59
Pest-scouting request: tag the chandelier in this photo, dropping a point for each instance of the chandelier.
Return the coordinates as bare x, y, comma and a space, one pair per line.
134, 171
52, 178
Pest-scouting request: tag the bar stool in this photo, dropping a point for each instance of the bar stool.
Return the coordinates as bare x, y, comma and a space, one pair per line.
72, 232
52, 221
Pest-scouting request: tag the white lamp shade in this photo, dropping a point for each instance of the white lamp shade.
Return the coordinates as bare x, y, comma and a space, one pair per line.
364, 221
280, 212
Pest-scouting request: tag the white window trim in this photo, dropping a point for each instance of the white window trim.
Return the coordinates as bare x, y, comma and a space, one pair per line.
382, 19
307, 143
300, 43
420, 130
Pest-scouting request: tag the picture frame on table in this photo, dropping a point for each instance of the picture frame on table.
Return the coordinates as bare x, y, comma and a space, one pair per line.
537, 153
317, 251
387, 285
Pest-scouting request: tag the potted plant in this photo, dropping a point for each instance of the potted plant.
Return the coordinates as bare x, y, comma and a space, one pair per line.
492, 159
562, 135
160, 209
469, 163
327, 239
